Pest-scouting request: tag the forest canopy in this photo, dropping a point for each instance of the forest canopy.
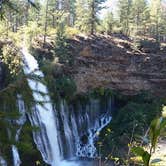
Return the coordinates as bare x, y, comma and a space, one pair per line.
132, 17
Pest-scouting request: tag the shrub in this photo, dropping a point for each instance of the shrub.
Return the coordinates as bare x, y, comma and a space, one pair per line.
66, 87
131, 120
62, 50
70, 32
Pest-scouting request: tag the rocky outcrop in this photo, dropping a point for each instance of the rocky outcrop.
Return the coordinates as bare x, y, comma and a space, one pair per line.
112, 63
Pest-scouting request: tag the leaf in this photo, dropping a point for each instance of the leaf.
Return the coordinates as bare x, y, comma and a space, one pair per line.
156, 128
139, 151
154, 131
146, 158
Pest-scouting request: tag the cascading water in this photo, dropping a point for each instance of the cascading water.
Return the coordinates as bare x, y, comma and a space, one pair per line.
81, 127
20, 122
68, 132
16, 157
43, 115
3, 161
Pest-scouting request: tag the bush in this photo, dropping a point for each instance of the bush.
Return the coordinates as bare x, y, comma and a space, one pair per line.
62, 47
29, 32
70, 32
133, 117
11, 57
66, 87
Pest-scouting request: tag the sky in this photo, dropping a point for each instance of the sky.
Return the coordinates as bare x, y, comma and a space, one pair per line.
111, 5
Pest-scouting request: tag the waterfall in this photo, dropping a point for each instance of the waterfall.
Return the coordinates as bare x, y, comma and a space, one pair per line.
64, 112
66, 133
20, 122
82, 126
2, 161
42, 114
16, 157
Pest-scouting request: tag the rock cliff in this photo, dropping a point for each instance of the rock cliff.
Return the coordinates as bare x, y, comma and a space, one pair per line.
112, 63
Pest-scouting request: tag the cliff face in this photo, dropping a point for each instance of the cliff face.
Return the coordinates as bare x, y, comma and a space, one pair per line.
111, 63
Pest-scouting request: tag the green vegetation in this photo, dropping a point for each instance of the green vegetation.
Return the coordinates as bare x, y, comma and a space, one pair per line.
14, 84
157, 127
133, 18
28, 151
37, 24
128, 126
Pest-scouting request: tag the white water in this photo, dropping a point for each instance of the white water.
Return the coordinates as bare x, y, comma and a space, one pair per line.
43, 116
20, 122
82, 127
2, 161
16, 157
67, 133
67, 130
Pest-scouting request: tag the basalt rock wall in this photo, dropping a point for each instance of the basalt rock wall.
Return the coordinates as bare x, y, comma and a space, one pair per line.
112, 63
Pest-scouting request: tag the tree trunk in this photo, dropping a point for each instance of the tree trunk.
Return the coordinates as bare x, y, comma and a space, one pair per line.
92, 17
45, 25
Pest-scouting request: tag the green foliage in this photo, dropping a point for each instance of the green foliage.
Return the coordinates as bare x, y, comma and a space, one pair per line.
124, 15
65, 87
86, 15
71, 32
156, 128
10, 5
155, 15
28, 151
139, 151
101, 92
140, 17
11, 57
131, 120
15, 83
29, 32
107, 24
61, 46
59, 84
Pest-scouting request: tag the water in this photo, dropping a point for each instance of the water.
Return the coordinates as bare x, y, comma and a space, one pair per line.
68, 133
20, 122
3, 161
81, 127
43, 116
16, 157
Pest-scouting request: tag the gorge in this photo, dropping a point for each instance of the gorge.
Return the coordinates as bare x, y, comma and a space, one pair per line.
69, 132
82, 84
65, 135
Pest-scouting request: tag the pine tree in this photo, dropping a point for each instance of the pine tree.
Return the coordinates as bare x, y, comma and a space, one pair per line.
155, 15
82, 15
140, 16
95, 7
86, 14
108, 23
163, 23
124, 15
